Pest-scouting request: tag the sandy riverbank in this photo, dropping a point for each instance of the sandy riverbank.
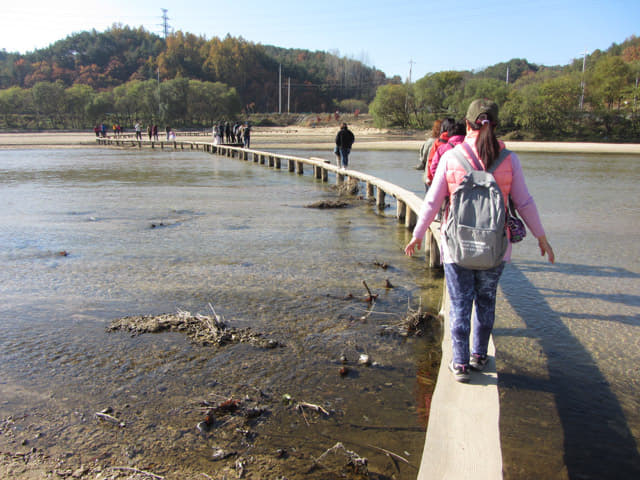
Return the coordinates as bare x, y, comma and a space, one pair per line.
306, 138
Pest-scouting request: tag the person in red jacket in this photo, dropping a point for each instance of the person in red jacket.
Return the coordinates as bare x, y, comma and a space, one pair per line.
446, 124
456, 133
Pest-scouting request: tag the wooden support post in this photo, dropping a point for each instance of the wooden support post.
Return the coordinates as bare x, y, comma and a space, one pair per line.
325, 175
271, 160
292, 165
369, 190
380, 194
339, 178
410, 219
432, 250
401, 210
300, 166
278, 163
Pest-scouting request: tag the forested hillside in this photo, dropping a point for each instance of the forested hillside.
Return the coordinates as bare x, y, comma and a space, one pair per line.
127, 74
593, 98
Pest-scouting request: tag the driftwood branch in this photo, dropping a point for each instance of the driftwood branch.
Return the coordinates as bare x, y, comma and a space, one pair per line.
391, 454
142, 472
372, 297
302, 405
358, 463
108, 418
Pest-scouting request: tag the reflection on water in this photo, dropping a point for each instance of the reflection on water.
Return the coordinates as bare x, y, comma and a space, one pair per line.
93, 235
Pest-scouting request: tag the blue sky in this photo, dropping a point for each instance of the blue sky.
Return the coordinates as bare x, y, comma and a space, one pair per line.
395, 36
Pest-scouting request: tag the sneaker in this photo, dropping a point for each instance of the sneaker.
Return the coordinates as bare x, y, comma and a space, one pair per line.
478, 361
460, 372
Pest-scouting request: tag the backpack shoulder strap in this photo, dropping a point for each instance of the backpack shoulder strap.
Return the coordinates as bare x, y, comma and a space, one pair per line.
504, 153
462, 160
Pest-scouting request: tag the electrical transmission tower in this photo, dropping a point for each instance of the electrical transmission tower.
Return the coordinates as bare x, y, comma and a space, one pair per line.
165, 23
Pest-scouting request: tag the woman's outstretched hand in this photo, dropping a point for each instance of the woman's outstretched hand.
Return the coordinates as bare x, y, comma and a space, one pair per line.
412, 246
545, 247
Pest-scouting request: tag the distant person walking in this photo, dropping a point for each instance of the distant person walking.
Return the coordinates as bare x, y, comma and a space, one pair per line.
246, 135
138, 131
344, 142
430, 138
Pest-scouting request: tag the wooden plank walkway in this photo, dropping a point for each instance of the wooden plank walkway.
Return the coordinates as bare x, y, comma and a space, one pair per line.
463, 439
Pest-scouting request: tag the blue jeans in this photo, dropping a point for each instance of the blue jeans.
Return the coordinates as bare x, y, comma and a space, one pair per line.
467, 287
344, 156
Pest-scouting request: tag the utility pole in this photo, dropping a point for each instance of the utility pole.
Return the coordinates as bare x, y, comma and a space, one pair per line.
289, 96
406, 100
584, 61
280, 88
159, 109
411, 62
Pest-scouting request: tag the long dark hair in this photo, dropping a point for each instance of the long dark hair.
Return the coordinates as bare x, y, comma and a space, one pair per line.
487, 142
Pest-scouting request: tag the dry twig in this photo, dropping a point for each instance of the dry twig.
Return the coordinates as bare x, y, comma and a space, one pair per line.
131, 469
301, 405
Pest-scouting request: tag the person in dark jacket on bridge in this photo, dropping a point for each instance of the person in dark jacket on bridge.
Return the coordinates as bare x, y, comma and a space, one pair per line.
344, 141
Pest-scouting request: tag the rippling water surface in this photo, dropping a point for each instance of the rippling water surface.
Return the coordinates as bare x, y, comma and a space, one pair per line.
238, 236
92, 235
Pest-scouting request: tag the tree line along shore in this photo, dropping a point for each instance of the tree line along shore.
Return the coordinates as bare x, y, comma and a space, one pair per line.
127, 75
305, 138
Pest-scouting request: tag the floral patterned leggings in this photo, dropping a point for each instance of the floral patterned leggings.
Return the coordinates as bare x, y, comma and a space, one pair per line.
465, 287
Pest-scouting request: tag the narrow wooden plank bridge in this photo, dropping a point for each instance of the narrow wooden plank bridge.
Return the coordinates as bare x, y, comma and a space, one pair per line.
407, 203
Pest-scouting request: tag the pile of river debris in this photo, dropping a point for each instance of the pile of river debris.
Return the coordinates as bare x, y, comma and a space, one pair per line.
201, 329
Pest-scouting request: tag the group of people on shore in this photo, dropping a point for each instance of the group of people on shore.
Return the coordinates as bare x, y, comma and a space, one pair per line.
152, 131
225, 132
457, 155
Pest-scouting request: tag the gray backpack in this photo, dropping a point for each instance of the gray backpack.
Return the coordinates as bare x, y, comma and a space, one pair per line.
475, 230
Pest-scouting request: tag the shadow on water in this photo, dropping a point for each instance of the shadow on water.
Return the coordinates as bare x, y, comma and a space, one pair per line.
598, 442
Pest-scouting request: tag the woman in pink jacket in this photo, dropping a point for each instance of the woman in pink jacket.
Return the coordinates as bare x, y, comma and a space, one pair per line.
465, 286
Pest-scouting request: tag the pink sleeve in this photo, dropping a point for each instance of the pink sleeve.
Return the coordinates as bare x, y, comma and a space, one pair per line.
438, 192
522, 199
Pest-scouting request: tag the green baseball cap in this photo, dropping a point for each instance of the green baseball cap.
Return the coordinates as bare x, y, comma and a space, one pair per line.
480, 106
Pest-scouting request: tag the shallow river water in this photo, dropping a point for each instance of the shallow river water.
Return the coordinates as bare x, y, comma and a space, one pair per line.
231, 235
238, 236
